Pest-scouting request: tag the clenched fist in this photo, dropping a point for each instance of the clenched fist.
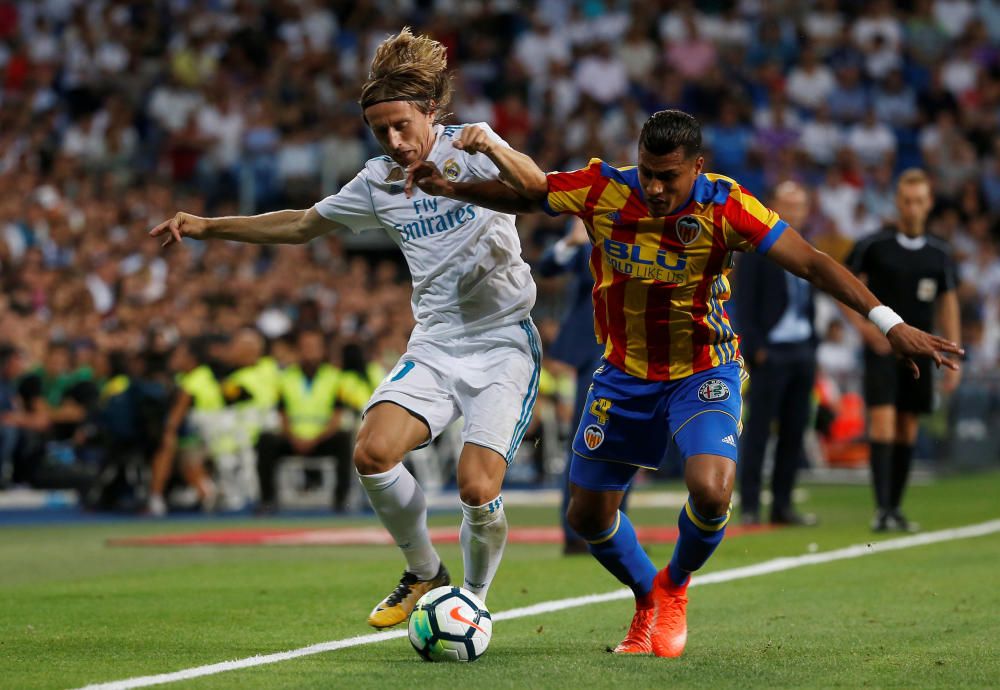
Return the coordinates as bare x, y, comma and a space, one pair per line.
474, 140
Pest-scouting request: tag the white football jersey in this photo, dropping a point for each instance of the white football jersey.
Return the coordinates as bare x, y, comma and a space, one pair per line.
466, 263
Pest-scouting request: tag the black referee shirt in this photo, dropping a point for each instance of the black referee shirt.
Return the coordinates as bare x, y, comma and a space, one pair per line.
906, 274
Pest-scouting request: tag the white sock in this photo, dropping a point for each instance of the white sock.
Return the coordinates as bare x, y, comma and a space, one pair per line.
400, 504
483, 536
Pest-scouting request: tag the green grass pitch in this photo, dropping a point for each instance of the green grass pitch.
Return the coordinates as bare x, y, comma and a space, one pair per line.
75, 611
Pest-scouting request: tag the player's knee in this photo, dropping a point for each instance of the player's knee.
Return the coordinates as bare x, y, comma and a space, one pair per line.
373, 455
711, 496
477, 492
585, 521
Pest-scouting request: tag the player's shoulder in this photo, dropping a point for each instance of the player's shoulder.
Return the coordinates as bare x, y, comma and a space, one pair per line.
379, 165
627, 175
883, 237
452, 131
939, 245
455, 131
717, 189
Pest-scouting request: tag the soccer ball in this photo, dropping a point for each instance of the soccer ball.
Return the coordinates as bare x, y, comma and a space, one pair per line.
450, 624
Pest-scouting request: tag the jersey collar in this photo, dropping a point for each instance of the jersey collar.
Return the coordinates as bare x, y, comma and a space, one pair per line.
912, 243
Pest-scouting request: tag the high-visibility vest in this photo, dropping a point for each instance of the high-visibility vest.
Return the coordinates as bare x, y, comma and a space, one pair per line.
547, 383
270, 380
208, 410
356, 389
309, 403
255, 382
200, 383
255, 410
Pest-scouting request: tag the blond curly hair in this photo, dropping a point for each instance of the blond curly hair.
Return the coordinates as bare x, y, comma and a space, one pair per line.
409, 68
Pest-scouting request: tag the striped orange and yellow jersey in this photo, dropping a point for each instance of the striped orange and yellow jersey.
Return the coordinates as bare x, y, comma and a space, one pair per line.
660, 284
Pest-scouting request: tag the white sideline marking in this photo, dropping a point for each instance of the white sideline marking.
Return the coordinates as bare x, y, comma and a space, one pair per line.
772, 566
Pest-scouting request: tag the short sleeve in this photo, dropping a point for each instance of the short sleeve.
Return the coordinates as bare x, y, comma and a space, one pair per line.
949, 279
857, 260
750, 225
568, 191
351, 206
479, 165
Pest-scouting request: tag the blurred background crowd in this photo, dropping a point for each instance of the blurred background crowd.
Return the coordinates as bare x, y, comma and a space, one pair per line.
114, 114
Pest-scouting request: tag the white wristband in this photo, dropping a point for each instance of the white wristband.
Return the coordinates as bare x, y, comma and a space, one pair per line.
885, 318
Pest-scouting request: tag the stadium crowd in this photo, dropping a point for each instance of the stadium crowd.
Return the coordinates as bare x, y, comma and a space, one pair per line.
114, 114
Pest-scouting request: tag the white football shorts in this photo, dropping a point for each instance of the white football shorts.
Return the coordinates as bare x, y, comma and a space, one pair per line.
489, 378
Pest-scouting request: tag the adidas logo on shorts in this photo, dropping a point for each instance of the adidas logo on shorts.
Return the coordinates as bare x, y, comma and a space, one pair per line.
730, 440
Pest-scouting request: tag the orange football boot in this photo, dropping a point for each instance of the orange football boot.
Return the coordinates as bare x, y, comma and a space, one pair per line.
669, 633
637, 639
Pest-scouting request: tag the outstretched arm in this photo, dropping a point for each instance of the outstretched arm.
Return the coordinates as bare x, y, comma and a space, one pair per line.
794, 254
520, 188
278, 227
494, 195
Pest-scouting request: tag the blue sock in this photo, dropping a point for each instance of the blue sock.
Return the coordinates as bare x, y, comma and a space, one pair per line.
697, 540
619, 552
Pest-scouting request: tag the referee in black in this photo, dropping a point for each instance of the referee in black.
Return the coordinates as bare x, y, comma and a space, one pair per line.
914, 275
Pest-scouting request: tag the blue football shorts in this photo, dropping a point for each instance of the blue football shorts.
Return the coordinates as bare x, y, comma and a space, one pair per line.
628, 423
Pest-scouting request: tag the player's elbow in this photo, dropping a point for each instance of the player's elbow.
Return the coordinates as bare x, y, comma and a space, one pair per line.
303, 229
537, 187
526, 193
299, 234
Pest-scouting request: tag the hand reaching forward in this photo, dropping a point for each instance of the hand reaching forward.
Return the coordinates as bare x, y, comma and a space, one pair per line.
909, 342
181, 225
428, 178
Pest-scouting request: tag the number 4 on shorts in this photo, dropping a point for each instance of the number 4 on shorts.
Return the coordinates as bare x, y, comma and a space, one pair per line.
599, 408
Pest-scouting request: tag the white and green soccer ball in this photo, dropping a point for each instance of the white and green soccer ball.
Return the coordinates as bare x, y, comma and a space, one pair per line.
450, 624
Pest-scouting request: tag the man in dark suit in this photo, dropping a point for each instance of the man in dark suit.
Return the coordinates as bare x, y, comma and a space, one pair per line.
576, 344
775, 311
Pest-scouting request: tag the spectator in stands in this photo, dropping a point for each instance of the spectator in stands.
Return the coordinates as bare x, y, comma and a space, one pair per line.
18, 427
849, 99
811, 82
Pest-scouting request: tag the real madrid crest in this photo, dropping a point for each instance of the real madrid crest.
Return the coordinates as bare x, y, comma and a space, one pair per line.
451, 169
687, 228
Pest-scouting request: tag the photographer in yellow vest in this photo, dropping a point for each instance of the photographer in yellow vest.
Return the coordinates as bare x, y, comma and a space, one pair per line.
310, 421
196, 396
